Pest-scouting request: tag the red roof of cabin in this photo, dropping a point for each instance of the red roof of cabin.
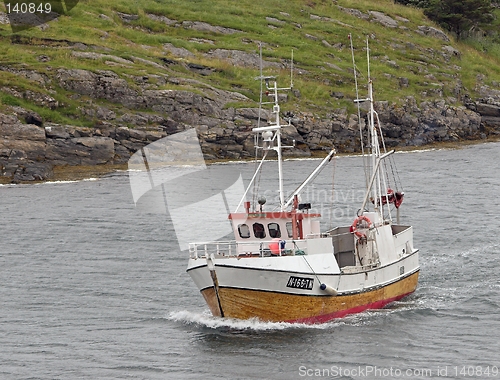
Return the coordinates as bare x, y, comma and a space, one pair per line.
270, 215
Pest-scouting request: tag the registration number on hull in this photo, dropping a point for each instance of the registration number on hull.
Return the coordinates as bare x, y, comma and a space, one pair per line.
300, 282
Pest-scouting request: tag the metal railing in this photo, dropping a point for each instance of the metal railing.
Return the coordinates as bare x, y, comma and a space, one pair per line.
242, 249
204, 249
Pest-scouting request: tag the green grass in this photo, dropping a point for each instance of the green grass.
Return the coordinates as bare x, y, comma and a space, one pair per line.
416, 55
10, 100
68, 116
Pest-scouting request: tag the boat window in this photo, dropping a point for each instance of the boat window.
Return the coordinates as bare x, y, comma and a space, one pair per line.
259, 231
274, 230
289, 229
244, 231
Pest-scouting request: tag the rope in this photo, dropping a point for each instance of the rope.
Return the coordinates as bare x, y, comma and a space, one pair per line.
256, 142
312, 270
398, 180
256, 184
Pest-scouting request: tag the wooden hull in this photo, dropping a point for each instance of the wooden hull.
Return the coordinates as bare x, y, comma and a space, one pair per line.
279, 307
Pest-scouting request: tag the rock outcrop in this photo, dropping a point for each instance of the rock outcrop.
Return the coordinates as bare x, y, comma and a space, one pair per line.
29, 152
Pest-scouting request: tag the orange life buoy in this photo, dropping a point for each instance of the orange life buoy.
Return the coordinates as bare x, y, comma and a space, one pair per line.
360, 222
276, 246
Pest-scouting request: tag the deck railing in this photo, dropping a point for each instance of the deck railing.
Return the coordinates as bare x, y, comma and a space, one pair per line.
241, 249
204, 249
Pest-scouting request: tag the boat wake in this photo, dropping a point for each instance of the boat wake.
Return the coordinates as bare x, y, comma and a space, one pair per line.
206, 320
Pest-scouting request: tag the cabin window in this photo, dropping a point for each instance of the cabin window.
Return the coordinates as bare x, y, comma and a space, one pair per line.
289, 229
274, 230
244, 231
258, 231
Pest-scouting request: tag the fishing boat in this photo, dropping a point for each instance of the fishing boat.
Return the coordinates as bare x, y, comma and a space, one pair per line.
281, 267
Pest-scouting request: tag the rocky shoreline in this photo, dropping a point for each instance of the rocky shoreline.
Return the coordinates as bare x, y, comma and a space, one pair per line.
30, 152
129, 102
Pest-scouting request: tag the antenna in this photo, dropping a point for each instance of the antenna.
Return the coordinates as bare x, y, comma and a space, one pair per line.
359, 113
368, 57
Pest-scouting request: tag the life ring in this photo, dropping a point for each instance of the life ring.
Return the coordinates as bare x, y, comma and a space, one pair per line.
358, 223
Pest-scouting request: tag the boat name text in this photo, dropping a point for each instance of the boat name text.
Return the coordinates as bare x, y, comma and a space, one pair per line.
300, 282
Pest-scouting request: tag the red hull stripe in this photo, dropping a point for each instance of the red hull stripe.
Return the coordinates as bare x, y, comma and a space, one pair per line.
340, 314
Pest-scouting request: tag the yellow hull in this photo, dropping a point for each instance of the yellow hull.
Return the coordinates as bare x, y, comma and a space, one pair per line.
281, 307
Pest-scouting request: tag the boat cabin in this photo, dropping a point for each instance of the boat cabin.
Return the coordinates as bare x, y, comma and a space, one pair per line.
260, 232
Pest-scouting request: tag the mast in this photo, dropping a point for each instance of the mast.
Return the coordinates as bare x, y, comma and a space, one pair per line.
374, 185
377, 190
375, 149
365, 165
271, 135
271, 138
276, 111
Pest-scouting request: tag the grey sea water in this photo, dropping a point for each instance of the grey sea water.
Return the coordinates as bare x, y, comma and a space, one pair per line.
91, 288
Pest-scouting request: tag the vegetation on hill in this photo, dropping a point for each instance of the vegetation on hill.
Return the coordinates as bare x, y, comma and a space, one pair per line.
172, 39
478, 19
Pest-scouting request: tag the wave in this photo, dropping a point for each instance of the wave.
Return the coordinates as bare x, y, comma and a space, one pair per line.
206, 320
49, 182
67, 181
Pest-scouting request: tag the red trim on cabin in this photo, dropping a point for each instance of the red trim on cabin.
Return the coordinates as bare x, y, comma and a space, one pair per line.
340, 314
271, 215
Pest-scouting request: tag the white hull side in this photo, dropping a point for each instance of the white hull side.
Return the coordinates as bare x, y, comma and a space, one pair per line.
273, 274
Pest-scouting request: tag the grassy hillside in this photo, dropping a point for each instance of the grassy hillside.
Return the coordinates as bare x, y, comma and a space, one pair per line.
135, 38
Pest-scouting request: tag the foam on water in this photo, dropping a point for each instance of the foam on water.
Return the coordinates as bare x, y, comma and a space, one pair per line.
71, 181
205, 319
62, 182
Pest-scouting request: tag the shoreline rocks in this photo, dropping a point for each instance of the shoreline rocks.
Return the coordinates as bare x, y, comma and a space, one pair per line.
30, 152
128, 116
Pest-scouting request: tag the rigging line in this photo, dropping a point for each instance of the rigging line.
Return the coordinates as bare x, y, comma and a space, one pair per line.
261, 85
393, 175
333, 191
311, 177
398, 181
359, 111
385, 180
312, 270
392, 162
380, 129
256, 144
386, 172
256, 184
256, 137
